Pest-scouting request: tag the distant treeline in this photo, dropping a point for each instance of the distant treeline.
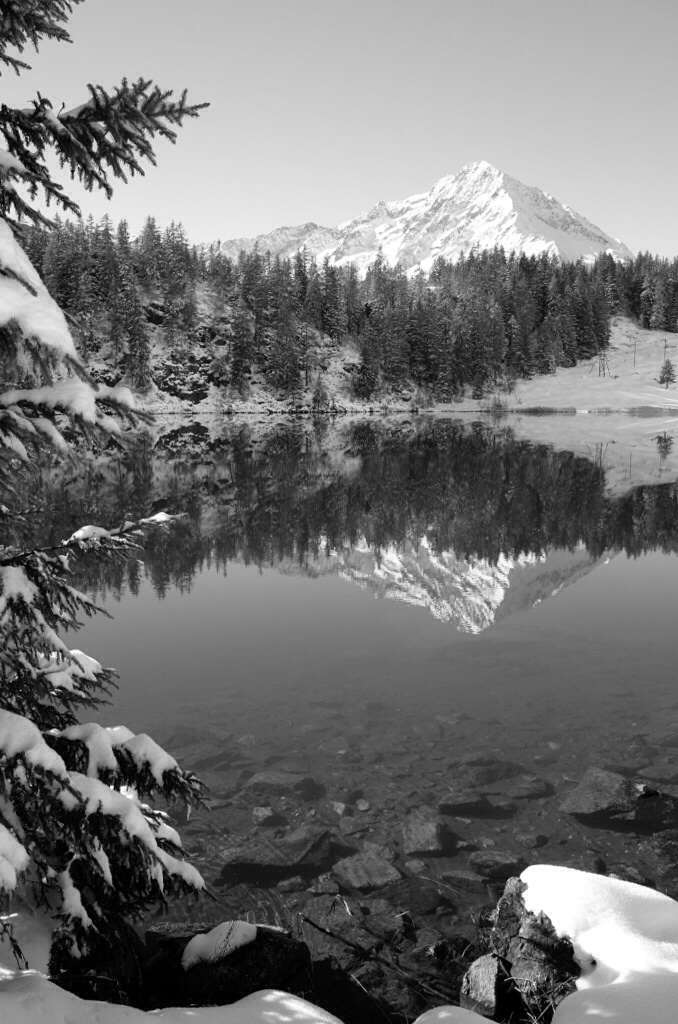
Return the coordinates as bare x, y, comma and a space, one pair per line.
485, 320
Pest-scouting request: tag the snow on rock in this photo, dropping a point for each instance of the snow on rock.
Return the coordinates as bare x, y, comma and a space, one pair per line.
29, 998
218, 943
27, 301
13, 859
479, 207
19, 736
625, 938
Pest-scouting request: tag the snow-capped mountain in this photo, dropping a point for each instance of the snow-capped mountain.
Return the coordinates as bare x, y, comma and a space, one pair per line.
471, 595
479, 207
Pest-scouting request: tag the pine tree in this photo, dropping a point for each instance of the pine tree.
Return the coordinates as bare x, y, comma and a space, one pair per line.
93, 852
667, 374
134, 330
241, 347
148, 251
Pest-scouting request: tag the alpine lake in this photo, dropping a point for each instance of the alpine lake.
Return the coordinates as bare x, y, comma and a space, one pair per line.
391, 649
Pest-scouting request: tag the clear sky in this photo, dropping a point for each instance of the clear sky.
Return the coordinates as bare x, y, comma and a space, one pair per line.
320, 108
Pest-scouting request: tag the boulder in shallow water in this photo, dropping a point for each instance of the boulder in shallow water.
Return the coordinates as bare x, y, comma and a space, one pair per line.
609, 800
497, 865
305, 847
461, 801
425, 834
365, 872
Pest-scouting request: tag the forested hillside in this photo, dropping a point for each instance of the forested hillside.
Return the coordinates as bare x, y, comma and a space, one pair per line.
158, 310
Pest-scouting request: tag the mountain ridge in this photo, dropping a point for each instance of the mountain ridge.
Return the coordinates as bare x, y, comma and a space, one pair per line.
479, 207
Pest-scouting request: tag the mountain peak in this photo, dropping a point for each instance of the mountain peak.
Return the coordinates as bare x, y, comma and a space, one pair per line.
478, 168
479, 207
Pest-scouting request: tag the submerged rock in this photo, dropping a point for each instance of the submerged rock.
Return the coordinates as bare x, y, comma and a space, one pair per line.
335, 928
497, 865
424, 833
528, 787
466, 881
418, 897
461, 801
609, 800
281, 783
365, 872
305, 847
268, 817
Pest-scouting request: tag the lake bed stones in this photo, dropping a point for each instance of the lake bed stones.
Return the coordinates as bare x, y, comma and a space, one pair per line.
284, 783
307, 847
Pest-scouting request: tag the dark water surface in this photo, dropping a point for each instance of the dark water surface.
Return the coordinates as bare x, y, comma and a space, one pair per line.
505, 572
376, 607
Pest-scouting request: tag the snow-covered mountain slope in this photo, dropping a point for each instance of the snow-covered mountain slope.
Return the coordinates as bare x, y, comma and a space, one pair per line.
471, 595
479, 207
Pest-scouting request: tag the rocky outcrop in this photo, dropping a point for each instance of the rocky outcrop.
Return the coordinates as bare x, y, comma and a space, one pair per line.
527, 970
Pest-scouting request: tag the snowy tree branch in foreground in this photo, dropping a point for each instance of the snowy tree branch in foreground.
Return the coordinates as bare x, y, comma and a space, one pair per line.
109, 134
71, 816
43, 385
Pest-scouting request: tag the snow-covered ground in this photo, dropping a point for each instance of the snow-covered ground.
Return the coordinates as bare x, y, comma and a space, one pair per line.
625, 938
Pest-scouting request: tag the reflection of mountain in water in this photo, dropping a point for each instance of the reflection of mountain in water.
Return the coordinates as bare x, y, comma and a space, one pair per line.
464, 521
470, 594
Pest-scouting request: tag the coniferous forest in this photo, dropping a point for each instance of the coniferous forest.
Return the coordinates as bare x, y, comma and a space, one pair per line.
464, 329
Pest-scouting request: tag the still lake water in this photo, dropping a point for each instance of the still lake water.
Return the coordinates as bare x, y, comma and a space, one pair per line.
371, 604
506, 574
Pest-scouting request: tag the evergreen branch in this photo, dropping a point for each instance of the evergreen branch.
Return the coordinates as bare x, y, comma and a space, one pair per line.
23, 24
108, 135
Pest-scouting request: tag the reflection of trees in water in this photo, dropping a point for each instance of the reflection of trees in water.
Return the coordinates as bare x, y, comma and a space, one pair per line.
470, 489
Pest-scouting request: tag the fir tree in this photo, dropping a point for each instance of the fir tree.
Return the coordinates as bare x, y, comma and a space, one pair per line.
95, 856
148, 248
667, 374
